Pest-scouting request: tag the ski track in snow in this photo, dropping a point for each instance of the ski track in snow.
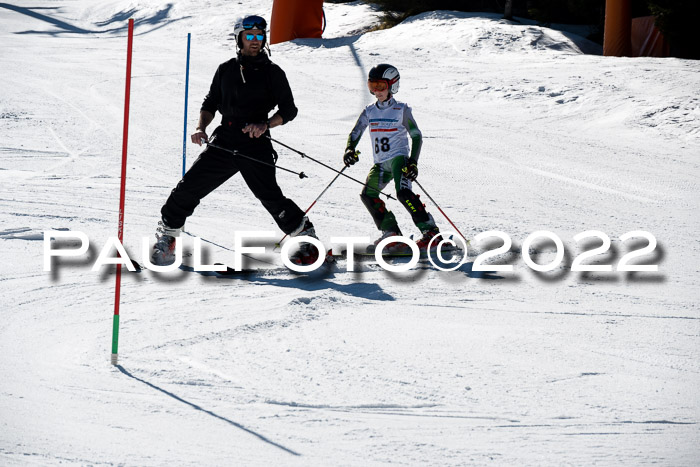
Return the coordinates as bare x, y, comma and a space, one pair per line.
521, 131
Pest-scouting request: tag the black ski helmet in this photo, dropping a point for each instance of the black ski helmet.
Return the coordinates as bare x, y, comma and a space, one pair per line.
387, 73
250, 22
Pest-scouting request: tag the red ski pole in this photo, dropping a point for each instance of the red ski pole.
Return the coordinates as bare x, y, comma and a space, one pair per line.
441, 211
277, 245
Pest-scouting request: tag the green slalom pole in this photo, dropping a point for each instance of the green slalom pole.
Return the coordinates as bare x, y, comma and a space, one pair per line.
115, 339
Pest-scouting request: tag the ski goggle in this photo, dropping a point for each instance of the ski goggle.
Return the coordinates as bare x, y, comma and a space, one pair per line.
259, 37
254, 22
377, 85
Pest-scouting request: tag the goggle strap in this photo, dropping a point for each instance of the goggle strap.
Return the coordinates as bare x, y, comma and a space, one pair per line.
255, 22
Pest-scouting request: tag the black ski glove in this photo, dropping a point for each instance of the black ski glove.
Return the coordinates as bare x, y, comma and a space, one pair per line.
411, 171
350, 157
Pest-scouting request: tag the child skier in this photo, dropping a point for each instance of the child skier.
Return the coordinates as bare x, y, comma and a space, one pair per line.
391, 123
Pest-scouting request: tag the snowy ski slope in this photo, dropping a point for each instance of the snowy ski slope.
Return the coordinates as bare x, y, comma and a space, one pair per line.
522, 132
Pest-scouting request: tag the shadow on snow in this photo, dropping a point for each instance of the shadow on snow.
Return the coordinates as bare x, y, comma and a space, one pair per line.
208, 412
312, 282
158, 19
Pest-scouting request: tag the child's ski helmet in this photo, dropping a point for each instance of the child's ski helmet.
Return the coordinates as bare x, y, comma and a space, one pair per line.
388, 73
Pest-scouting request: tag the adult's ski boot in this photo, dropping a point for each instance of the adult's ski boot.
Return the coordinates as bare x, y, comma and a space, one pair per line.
164, 248
307, 252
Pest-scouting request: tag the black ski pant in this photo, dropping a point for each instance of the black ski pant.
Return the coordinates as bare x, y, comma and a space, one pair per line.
214, 167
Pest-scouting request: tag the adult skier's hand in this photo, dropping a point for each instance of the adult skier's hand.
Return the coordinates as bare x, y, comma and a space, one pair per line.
255, 130
350, 157
411, 171
198, 136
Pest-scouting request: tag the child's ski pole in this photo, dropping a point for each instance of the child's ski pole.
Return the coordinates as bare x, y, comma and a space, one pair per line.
277, 245
440, 209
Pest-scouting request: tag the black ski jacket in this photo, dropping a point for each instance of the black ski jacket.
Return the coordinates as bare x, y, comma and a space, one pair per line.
245, 89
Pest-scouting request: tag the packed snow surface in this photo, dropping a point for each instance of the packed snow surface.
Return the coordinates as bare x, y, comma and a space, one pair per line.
525, 129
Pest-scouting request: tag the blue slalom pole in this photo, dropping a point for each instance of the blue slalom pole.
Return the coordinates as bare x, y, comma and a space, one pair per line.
187, 87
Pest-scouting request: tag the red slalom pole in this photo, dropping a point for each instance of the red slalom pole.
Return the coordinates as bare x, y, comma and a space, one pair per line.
122, 194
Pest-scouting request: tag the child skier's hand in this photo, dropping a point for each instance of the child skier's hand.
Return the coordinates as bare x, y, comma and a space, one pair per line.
351, 156
411, 171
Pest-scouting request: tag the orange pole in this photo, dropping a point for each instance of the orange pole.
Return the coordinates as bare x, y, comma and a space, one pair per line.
292, 19
618, 28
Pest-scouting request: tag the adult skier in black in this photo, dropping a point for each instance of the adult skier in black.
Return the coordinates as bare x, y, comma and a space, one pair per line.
244, 90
